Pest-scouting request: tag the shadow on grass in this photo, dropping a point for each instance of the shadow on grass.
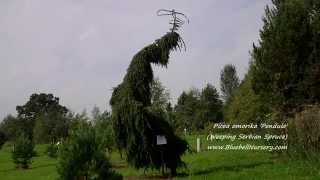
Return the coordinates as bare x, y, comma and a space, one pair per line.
44, 165
30, 168
151, 177
234, 168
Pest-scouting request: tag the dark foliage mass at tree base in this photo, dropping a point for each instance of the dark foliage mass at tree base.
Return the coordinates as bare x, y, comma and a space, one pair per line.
136, 126
2, 139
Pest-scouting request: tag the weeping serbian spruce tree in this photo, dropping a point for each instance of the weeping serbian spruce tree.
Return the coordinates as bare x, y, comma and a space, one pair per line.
135, 125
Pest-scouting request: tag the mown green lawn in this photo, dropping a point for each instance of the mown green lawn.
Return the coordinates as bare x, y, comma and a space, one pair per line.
43, 167
203, 165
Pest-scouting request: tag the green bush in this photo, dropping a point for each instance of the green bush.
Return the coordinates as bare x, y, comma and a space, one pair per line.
304, 134
23, 152
52, 150
82, 156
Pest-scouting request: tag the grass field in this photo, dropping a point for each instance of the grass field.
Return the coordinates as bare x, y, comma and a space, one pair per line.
203, 165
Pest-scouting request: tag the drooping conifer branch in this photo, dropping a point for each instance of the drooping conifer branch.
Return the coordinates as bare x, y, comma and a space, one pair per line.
135, 125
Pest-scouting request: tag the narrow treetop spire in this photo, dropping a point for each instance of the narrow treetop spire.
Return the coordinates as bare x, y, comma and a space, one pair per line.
176, 21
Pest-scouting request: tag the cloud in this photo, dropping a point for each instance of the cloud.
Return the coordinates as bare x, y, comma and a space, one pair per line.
80, 49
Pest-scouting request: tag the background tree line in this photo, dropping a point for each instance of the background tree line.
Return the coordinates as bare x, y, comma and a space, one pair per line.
282, 84
44, 120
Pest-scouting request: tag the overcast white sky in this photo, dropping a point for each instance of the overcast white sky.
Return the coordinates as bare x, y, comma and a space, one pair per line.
79, 49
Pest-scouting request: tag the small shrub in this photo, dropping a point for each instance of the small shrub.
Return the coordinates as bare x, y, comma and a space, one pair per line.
82, 157
2, 139
23, 152
52, 150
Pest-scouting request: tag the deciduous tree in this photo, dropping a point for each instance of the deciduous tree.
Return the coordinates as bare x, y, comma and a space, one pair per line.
42, 107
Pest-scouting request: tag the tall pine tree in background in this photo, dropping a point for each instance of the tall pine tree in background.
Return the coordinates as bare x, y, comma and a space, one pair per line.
210, 105
186, 109
229, 81
195, 109
245, 106
286, 66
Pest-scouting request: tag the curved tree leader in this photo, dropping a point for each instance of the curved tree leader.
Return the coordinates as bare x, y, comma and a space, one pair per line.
136, 127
